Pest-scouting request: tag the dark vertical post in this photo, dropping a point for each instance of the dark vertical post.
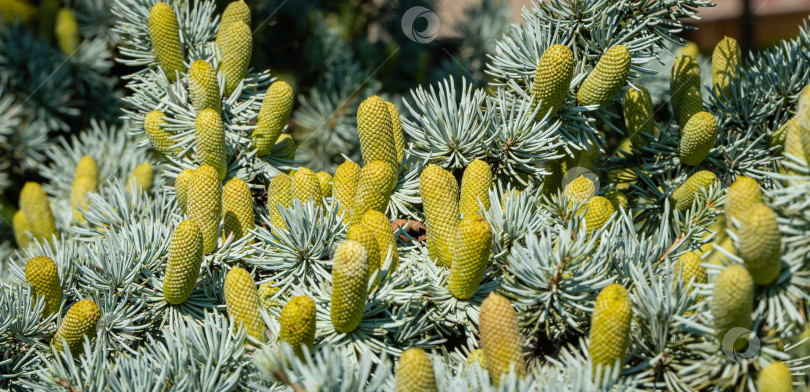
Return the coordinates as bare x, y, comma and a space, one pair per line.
747, 35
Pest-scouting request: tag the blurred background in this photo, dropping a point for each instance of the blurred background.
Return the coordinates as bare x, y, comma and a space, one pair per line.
58, 72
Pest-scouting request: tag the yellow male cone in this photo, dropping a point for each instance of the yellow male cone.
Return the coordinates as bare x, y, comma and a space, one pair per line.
237, 209
304, 186
67, 31
684, 195
205, 205
599, 211
378, 223
742, 194
273, 116
85, 180
775, 377
373, 189
165, 34
638, 114
284, 147
279, 193
325, 181
298, 324
478, 356
732, 302
204, 87
236, 11
43, 276
552, 79
375, 129
209, 141
610, 327
761, 243
143, 176
396, 127
184, 261
181, 184
500, 338
580, 190
242, 302
349, 286
471, 252
688, 266
684, 89
20, 226
365, 236
415, 372
236, 55
607, 78
38, 216
344, 186
697, 138
80, 321
439, 191
726, 58
159, 137
475, 186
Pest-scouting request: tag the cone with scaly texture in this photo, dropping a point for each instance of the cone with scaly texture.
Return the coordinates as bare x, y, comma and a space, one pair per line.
378, 223
67, 31
236, 11
183, 265
556, 168
325, 181
304, 186
242, 302
284, 147
376, 134
204, 87
80, 321
552, 79
474, 186
143, 177
685, 89
205, 204
344, 185
365, 236
775, 377
697, 138
373, 189
732, 301
236, 55
209, 141
349, 286
610, 327
741, 195
279, 193
793, 143
599, 211
415, 372
617, 199
477, 356
500, 338
237, 209
580, 190
273, 116
298, 324
777, 138
38, 216
165, 34
471, 250
688, 266
726, 58
607, 77
684, 195
21, 232
396, 128
159, 137
803, 121
691, 49
86, 180
638, 114
439, 191
761, 243
43, 276
181, 184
